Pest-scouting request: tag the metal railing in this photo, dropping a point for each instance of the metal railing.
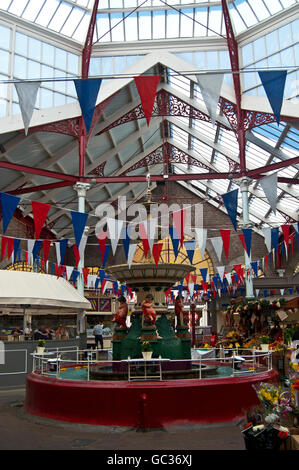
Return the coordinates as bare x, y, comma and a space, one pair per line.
241, 362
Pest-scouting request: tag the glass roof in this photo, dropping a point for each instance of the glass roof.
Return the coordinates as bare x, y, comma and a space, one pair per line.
131, 20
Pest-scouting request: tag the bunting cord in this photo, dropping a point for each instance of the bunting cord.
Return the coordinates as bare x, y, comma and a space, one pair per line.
288, 68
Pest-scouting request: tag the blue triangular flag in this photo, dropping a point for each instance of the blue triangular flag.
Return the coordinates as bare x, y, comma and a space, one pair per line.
36, 248
87, 93
101, 274
63, 246
204, 272
106, 253
247, 232
180, 289
75, 275
175, 240
274, 83
79, 221
291, 290
16, 244
190, 248
8, 205
274, 237
215, 280
265, 292
125, 236
230, 201
122, 289
96, 285
254, 266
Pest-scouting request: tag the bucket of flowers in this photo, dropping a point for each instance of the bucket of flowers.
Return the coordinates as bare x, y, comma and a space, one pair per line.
40, 348
146, 349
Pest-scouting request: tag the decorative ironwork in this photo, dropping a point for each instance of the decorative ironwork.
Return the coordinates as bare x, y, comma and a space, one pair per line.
99, 170
173, 154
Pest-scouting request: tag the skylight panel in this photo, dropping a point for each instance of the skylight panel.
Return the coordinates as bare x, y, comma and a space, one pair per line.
173, 24
273, 5
145, 23
159, 25
47, 12
5, 4
33, 9
80, 32
72, 22
186, 23
60, 17
287, 3
201, 21
259, 9
215, 17
17, 7
246, 12
103, 27
131, 28
237, 20
117, 27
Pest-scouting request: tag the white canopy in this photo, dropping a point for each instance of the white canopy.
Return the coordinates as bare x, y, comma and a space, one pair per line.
42, 291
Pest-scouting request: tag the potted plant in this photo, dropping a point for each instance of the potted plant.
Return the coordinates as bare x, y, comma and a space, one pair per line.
146, 349
265, 341
40, 346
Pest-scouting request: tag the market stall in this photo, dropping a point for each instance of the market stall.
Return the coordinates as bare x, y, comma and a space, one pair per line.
30, 299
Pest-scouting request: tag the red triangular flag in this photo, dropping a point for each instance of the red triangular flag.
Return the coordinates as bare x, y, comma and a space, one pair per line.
266, 262
26, 257
157, 248
3, 246
10, 247
144, 239
147, 87
46, 248
39, 212
225, 234
85, 272
286, 234
61, 270
76, 254
103, 284
292, 242
242, 238
102, 237
187, 278
179, 219
194, 278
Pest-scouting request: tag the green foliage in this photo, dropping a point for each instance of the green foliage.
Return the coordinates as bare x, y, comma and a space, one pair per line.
146, 346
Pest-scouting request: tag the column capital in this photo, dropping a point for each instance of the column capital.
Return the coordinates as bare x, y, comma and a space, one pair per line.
244, 183
81, 188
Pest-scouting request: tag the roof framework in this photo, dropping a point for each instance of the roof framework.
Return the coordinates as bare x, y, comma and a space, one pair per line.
180, 139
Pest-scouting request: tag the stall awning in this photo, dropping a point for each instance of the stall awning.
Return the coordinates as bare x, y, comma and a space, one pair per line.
39, 291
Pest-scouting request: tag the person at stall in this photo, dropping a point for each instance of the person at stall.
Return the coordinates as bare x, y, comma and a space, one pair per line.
276, 332
98, 334
49, 332
28, 331
61, 332
16, 332
40, 334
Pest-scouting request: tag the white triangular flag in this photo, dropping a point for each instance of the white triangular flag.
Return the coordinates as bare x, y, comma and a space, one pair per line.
69, 270
201, 237
132, 249
281, 291
296, 227
82, 246
27, 93
191, 288
57, 247
150, 228
267, 234
269, 186
30, 245
210, 85
229, 278
257, 291
219, 292
114, 227
220, 270
218, 245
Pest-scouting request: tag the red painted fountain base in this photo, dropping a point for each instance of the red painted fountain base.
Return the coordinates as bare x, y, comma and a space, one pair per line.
143, 404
